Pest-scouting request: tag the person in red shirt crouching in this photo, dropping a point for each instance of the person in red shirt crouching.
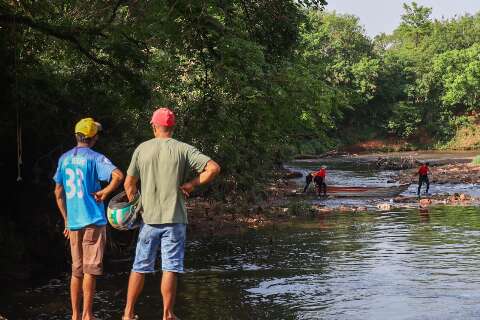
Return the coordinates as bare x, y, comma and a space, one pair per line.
423, 177
319, 180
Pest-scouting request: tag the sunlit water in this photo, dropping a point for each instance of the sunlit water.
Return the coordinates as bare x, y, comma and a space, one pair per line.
344, 172
394, 265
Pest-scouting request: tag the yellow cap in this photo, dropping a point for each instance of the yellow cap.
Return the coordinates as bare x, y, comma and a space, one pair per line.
88, 127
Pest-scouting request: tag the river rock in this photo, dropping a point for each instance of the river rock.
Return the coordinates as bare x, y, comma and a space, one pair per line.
344, 209
323, 210
454, 198
425, 202
384, 206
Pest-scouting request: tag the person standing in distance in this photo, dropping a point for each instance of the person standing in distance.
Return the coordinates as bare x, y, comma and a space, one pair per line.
319, 180
423, 172
79, 198
161, 166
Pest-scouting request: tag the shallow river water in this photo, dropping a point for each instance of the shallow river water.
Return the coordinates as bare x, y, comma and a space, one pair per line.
399, 264
392, 265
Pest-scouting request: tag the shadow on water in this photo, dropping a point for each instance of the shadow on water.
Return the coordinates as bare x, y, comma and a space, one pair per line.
392, 265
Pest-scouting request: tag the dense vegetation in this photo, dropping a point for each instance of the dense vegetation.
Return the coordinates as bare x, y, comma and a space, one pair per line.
426, 78
252, 82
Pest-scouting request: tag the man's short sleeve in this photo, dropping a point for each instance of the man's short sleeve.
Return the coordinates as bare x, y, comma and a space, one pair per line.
133, 168
58, 177
104, 168
196, 159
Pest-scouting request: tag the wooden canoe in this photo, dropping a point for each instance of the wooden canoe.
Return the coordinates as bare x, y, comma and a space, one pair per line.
381, 192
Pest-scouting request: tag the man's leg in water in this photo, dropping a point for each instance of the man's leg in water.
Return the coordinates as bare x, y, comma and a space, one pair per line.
76, 296
135, 287
145, 255
173, 253
76, 238
308, 180
420, 181
93, 246
89, 282
168, 288
427, 181
318, 186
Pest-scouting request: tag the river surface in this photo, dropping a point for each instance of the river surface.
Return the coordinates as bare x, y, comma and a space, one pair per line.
361, 171
400, 264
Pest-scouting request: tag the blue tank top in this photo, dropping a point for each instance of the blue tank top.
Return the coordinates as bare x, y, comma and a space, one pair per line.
80, 171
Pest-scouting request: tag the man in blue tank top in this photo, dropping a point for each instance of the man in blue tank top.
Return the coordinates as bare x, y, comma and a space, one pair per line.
80, 197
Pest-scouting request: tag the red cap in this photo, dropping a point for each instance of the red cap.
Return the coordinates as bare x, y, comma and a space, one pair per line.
163, 117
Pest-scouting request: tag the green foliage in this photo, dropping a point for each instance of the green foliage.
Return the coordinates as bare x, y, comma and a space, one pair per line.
225, 68
299, 209
407, 119
415, 25
476, 160
250, 81
459, 74
429, 76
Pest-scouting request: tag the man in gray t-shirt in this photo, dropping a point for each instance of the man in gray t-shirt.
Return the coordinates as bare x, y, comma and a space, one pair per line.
161, 164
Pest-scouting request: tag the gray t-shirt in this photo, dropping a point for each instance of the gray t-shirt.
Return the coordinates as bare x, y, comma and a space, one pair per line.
162, 166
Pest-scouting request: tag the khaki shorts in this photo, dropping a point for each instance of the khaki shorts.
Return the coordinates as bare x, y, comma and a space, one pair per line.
87, 246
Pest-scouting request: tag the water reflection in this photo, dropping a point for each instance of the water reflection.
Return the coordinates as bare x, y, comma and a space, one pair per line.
395, 265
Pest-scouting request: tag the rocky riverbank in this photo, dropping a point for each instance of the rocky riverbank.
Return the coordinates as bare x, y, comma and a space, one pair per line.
285, 201
448, 173
208, 217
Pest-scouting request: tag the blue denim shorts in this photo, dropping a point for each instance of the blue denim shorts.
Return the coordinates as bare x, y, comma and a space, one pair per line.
167, 238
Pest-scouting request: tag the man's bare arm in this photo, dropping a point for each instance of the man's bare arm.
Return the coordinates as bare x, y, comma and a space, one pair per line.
130, 186
212, 169
60, 199
117, 178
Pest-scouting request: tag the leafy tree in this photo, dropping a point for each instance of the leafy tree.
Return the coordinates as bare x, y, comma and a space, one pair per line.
416, 23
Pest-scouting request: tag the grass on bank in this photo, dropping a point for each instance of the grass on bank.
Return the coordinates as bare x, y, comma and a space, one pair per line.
476, 160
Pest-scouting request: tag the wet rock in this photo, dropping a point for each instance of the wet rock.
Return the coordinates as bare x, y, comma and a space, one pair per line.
454, 198
361, 209
384, 206
425, 202
324, 210
344, 209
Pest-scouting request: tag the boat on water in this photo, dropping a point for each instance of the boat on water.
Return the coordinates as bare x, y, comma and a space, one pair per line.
380, 192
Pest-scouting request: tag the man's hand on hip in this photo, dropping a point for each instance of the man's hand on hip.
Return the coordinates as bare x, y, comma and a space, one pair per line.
187, 188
